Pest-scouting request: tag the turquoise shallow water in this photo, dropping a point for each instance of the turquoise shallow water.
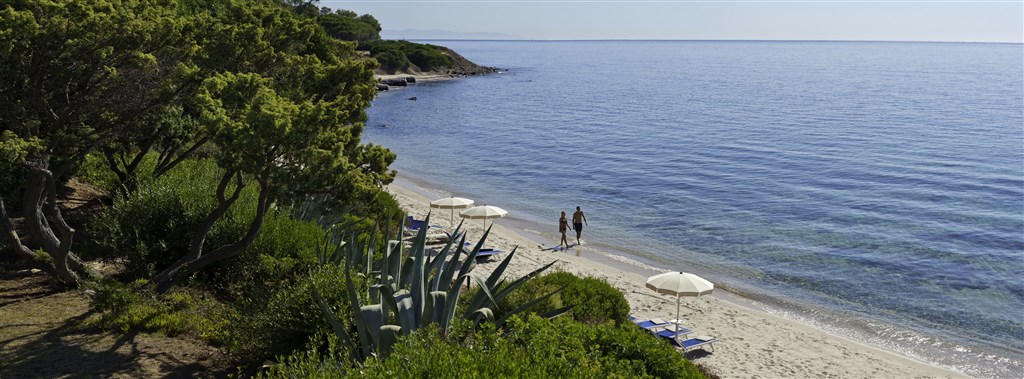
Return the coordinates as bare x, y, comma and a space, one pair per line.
880, 182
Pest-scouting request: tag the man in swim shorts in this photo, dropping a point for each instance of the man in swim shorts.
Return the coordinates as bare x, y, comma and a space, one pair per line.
578, 219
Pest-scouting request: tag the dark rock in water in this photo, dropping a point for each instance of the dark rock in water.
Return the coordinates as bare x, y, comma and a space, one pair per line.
413, 98
382, 125
396, 82
410, 79
382, 87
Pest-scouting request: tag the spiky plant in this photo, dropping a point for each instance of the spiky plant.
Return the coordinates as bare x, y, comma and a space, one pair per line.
410, 290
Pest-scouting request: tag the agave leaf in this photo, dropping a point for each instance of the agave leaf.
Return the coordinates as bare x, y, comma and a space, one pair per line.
498, 271
360, 324
449, 271
406, 275
395, 262
437, 264
387, 299
388, 336
467, 264
434, 312
509, 288
385, 263
406, 317
452, 300
556, 312
339, 329
501, 321
372, 315
484, 294
417, 289
481, 314
366, 259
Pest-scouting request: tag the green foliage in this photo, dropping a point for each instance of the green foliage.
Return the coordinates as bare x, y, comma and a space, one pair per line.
95, 171
399, 55
151, 227
532, 348
286, 319
591, 300
345, 25
130, 308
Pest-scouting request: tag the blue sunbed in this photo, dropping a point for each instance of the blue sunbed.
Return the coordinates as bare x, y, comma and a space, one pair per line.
693, 343
671, 333
487, 253
651, 325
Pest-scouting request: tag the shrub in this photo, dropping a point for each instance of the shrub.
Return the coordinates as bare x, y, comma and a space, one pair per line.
151, 227
284, 250
593, 300
428, 58
285, 320
399, 55
535, 347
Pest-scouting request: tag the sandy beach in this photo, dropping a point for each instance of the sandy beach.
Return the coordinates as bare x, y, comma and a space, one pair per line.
752, 343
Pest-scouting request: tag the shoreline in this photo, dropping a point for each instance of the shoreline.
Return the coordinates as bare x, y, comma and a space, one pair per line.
753, 342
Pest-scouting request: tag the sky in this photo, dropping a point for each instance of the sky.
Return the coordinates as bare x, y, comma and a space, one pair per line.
872, 20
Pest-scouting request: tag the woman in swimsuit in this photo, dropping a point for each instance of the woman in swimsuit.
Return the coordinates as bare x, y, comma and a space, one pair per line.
563, 226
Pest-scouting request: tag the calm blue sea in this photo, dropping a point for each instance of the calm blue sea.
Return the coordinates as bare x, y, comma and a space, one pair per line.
876, 188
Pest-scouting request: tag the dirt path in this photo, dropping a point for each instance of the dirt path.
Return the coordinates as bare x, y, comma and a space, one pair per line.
43, 334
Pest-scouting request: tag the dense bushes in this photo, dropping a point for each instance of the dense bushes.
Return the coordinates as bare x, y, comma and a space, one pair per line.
592, 300
152, 226
398, 55
532, 348
346, 25
285, 320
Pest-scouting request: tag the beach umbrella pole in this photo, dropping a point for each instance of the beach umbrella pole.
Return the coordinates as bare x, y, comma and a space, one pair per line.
677, 317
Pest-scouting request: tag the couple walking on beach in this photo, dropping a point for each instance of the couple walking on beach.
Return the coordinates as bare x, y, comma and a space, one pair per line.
578, 219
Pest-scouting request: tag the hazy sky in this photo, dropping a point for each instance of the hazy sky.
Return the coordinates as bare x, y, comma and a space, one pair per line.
991, 21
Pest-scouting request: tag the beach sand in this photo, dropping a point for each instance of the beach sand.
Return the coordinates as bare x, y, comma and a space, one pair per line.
752, 343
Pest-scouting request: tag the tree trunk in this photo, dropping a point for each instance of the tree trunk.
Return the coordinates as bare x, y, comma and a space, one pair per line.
67, 234
194, 263
14, 242
39, 204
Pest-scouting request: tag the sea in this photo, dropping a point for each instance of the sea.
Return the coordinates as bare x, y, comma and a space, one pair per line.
873, 189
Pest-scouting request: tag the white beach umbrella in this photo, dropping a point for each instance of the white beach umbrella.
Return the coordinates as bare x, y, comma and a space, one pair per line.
680, 284
452, 203
483, 212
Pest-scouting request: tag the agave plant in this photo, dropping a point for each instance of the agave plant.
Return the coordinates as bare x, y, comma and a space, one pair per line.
410, 290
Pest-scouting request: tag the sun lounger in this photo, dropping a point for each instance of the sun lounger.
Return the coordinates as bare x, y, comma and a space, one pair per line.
485, 254
672, 333
651, 324
655, 324
414, 225
693, 343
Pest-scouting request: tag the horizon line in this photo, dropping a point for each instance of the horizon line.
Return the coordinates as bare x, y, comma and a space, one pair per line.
694, 40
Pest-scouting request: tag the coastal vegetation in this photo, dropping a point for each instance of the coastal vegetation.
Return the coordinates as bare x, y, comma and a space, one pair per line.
235, 203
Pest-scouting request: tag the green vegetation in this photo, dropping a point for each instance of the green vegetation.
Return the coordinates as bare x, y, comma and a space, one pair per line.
404, 55
131, 308
532, 348
393, 56
590, 300
346, 25
242, 208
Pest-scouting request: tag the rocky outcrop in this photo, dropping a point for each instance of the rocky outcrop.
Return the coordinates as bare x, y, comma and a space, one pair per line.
395, 82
